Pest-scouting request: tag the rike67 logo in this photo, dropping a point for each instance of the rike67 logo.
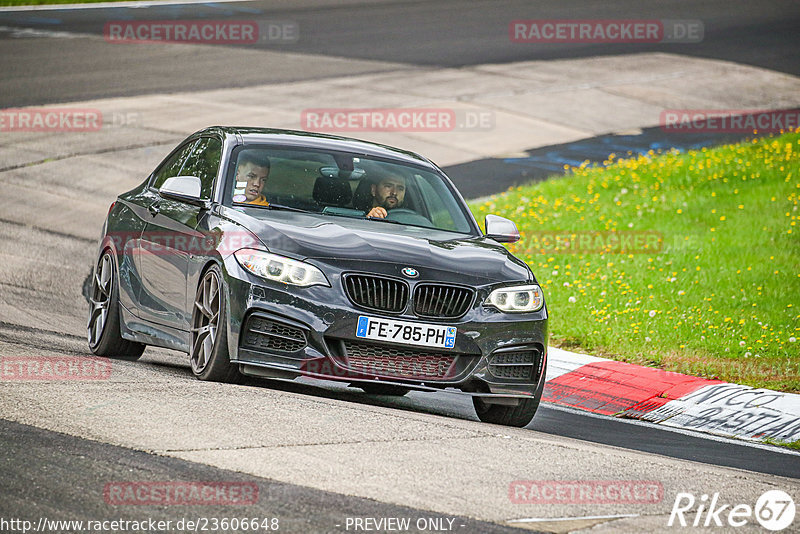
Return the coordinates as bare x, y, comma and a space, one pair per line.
774, 510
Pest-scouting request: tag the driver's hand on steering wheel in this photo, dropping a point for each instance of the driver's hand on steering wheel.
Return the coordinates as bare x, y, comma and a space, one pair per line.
378, 212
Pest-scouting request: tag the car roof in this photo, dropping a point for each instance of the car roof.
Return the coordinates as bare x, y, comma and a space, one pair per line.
298, 138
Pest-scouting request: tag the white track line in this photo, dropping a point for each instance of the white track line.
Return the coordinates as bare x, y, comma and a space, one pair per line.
106, 5
24, 33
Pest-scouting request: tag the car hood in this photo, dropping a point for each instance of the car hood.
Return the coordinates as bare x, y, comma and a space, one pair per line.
357, 242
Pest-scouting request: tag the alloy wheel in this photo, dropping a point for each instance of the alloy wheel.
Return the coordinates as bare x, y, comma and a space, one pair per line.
205, 322
101, 298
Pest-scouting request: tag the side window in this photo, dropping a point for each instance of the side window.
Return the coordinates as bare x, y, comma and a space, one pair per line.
203, 162
172, 167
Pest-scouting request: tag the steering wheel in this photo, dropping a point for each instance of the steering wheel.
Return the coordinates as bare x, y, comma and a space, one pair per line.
407, 216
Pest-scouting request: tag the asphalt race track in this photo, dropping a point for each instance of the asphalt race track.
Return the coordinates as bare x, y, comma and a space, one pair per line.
38, 484
320, 455
375, 35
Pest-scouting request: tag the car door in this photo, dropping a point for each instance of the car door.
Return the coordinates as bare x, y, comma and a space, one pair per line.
137, 217
170, 237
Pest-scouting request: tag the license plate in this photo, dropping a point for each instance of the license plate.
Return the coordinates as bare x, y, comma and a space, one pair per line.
425, 335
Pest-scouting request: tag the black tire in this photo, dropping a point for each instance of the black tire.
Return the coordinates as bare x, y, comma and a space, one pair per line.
208, 354
103, 329
384, 389
500, 414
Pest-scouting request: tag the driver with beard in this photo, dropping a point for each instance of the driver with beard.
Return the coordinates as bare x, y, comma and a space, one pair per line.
387, 194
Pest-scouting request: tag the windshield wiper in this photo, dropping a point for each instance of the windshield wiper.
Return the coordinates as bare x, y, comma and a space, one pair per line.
287, 208
381, 219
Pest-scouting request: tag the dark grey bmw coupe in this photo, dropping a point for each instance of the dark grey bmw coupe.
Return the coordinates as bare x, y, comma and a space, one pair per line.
281, 254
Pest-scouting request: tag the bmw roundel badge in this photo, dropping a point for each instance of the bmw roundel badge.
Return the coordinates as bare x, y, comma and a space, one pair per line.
409, 272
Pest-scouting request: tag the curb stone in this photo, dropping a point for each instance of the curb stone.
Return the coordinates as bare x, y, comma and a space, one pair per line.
676, 400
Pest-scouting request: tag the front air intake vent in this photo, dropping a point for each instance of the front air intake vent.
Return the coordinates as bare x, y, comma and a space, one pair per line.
265, 335
516, 365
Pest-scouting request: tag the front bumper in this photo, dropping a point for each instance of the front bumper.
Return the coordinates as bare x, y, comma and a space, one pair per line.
284, 332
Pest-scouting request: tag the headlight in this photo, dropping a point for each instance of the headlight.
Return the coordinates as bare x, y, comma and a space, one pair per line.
517, 299
280, 269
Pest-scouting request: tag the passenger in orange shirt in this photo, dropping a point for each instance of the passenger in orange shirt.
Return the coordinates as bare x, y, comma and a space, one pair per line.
254, 170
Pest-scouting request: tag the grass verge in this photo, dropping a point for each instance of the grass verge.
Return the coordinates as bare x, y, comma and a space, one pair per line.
689, 262
788, 444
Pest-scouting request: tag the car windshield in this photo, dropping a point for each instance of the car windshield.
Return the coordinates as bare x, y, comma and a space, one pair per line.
339, 184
